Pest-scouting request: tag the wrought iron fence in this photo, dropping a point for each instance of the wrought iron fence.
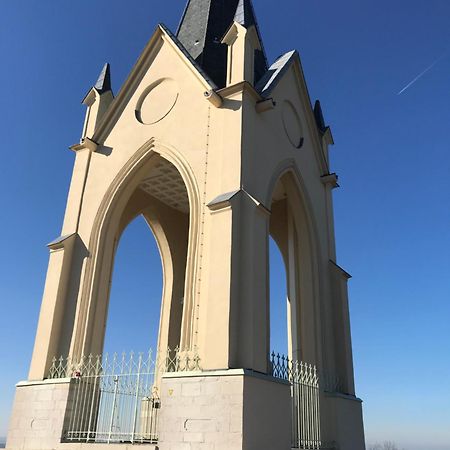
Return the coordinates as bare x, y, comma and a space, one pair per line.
305, 395
115, 399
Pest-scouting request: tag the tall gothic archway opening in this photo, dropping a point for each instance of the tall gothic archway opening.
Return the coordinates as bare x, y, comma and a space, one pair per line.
291, 232
278, 300
158, 197
136, 291
117, 393
281, 251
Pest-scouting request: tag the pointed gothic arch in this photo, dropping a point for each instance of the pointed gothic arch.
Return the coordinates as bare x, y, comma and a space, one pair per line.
121, 203
292, 228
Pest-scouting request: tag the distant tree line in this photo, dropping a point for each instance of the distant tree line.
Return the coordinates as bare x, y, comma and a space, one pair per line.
387, 445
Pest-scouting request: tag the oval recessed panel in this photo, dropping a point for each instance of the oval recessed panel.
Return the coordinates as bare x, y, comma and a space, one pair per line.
292, 124
157, 101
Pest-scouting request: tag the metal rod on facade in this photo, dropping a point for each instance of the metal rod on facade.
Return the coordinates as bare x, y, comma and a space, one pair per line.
96, 382
136, 397
111, 425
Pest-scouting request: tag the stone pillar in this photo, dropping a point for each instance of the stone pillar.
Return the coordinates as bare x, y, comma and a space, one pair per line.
342, 334
235, 328
224, 410
48, 335
250, 315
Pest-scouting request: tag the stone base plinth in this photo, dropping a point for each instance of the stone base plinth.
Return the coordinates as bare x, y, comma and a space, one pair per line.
38, 414
224, 410
342, 421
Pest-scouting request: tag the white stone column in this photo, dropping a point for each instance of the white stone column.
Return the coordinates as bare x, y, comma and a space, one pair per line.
234, 292
49, 328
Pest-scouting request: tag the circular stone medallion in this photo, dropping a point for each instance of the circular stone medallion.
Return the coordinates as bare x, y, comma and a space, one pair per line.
292, 124
157, 101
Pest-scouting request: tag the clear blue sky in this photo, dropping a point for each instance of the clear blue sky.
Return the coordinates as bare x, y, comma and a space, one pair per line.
391, 153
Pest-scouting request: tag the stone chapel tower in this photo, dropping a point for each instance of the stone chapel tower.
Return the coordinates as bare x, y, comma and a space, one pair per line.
217, 150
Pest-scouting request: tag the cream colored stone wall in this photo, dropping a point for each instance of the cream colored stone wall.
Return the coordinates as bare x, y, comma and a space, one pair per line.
217, 150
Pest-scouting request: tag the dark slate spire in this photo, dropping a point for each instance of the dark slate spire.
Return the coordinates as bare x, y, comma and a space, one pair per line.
103, 83
204, 24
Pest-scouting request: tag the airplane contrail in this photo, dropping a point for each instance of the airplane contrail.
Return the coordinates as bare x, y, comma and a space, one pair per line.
421, 74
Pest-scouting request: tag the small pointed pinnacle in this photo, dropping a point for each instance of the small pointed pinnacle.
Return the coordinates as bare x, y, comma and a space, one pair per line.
103, 83
245, 14
318, 114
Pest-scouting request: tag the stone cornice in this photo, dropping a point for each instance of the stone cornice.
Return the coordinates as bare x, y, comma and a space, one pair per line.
238, 88
330, 179
62, 242
341, 270
86, 143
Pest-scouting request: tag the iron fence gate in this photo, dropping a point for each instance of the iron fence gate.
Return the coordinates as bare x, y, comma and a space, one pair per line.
305, 400
115, 400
